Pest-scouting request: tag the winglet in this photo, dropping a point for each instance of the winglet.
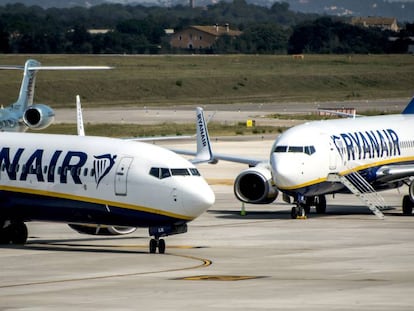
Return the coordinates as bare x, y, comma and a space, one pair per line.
79, 117
204, 153
410, 107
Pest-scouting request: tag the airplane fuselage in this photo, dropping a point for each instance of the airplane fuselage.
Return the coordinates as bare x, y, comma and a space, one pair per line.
97, 180
304, 156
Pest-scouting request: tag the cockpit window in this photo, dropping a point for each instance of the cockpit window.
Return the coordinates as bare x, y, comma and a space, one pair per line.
161, 172
295, 149
165, 172
194, 172
180, 172
280, 149
309, 150
155, 171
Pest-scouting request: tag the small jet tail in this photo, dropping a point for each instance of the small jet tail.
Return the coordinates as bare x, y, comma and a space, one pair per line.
204, 152
79, 117
30, 69
28, 84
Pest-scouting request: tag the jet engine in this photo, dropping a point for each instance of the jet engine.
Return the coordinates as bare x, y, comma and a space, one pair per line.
102, 230
255, 185
38, 116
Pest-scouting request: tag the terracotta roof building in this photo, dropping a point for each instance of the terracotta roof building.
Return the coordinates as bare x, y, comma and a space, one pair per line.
384, 23
200, 37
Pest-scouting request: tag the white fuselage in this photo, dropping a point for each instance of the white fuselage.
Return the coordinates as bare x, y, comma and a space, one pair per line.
303, 156
97, 180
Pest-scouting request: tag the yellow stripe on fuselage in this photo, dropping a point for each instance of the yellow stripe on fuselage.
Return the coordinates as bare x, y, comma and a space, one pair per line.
94, 200
348, 171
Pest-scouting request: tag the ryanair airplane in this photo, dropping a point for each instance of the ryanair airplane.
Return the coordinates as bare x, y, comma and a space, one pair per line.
361, 155
105, 182
24, 114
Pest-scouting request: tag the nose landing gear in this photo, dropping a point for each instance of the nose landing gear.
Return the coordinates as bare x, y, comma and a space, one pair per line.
304, 204
157, 243
158, 232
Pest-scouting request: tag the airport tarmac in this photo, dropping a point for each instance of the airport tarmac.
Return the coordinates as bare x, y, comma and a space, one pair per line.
228, 113
346, 259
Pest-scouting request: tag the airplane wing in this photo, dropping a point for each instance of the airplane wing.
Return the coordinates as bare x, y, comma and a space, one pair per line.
204, 151
217, 156
33, 68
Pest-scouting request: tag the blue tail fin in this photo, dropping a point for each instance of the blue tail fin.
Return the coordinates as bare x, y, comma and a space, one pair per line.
410, 107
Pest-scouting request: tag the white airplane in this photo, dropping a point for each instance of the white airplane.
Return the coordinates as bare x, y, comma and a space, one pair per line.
24, 114
360, 155
84, 180
202, 155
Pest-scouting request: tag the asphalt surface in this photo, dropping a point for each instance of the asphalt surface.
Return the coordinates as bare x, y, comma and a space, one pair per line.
346, 259
222, 113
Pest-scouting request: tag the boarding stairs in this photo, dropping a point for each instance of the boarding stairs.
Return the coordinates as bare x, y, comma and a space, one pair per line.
359, 186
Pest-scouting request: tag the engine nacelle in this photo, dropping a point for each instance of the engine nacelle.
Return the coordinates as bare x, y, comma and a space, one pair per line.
102, 230
38, 116
255, 185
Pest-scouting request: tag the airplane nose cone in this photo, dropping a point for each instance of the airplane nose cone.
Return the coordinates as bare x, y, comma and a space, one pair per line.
282, 172
198, 198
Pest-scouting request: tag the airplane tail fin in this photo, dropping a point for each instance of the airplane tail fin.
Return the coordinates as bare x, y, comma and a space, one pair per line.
204, 152
79, 117
410, 107
25, 98
30, 69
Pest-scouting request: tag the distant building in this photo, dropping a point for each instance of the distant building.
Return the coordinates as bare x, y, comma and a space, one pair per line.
99, 31
383, 23
201, 37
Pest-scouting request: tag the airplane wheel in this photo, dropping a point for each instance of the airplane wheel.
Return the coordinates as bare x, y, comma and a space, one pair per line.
15, 233
161, 246
293, 213
153, 246
320, 204
298, 212
407, 206
18, 233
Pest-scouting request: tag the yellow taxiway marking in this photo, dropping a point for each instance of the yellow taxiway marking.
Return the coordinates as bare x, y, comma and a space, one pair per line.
219, 278
71, 247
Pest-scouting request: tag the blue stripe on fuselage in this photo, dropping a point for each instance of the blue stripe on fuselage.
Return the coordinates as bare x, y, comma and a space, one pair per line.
27, 207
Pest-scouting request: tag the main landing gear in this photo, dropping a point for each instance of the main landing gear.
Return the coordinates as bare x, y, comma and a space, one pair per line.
13, 233
304, 204
407, 206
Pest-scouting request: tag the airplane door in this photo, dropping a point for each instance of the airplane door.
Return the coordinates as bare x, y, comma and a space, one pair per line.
121, 176
333, 156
